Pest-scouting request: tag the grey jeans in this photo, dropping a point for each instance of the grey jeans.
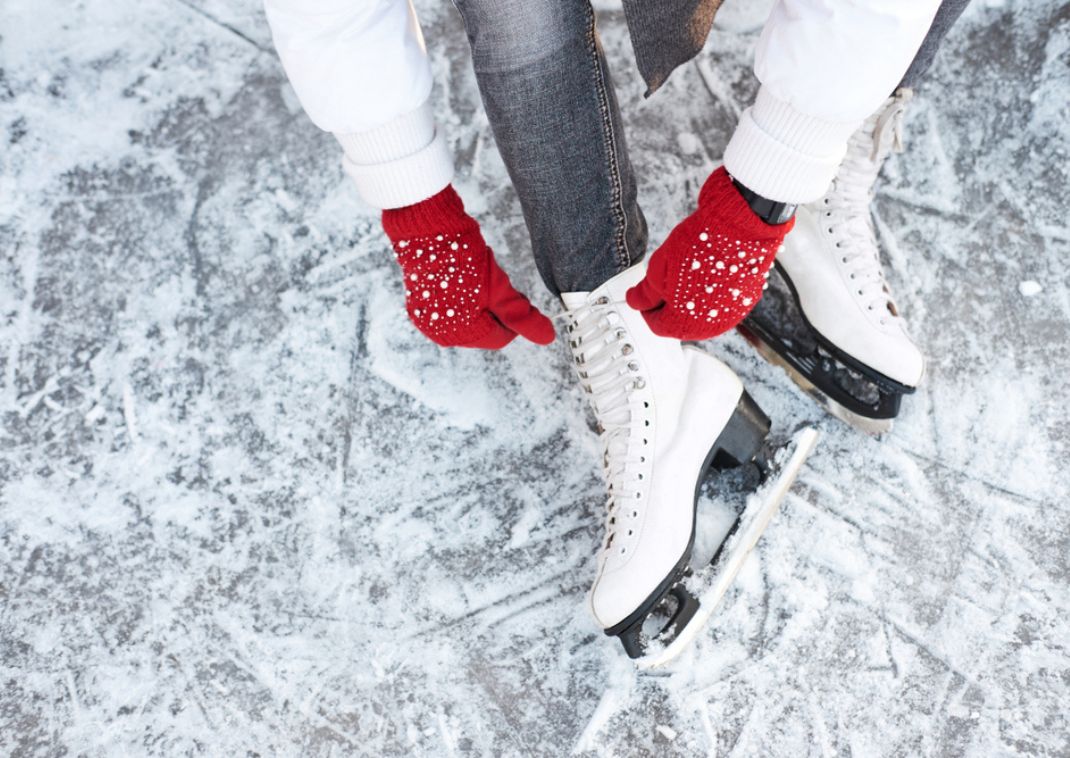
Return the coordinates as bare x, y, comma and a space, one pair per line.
553, 110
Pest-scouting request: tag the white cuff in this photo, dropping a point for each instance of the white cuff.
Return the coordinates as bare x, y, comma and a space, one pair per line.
783, 154
400, 163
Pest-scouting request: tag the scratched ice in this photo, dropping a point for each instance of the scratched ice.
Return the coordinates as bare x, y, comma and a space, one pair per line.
246, 509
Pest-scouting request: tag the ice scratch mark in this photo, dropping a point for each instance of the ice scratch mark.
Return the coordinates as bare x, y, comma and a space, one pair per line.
619, 685
716, 88
974, 478
707, 727
224, 25
747, 665
130, 414
72, 689
550, 596
195, 692
888, 647
447, 736
477, 153
814, 704
825, 510
192, 242
483, 676
900, 265
949, 180
539, 591
94, 414
343, 459
741, 741
265, 676
22, 320
35, 399
952, 215
820, 485
922, 647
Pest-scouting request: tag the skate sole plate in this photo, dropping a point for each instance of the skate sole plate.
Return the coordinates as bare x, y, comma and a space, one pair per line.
865, 424
759, 512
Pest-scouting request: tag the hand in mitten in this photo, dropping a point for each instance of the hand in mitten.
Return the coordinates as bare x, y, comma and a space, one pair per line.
710, 272
455, 293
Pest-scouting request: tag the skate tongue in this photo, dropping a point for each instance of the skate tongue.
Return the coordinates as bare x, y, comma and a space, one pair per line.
573, 300
613, 289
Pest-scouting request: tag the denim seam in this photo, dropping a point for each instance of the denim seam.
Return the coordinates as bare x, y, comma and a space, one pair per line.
623, 257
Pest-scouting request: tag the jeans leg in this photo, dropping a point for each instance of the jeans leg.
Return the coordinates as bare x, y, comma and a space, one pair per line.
554, 114
946, 16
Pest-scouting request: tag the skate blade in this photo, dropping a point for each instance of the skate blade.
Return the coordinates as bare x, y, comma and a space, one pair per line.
763, 505
865, 424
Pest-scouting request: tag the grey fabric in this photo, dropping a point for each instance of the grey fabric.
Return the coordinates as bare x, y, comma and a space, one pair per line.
666, 34
946, 16
550, 102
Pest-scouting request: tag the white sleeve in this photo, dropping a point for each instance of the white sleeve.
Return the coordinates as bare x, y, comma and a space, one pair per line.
360, 70
824, 66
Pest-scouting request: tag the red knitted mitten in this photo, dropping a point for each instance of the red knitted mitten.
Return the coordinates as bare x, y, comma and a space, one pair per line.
455, 293
710, 272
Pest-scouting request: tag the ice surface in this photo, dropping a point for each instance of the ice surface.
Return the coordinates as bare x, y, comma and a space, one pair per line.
246, 509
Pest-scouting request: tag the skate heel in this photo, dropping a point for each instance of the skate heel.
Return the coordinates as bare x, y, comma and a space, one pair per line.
743, 436
662, 623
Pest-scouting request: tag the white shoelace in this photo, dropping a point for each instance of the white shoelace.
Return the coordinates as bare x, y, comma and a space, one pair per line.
847, 206
601, 352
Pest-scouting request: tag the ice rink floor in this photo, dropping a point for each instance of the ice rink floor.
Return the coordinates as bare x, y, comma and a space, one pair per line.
245, 509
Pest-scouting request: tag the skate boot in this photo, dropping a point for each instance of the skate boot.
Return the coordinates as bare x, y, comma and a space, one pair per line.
666, 413
828, 317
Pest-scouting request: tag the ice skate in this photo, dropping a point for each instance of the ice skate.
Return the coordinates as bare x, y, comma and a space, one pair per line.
666, 414
828, 317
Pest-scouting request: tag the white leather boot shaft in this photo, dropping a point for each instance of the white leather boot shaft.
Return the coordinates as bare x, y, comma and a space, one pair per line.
832, 258
660, 407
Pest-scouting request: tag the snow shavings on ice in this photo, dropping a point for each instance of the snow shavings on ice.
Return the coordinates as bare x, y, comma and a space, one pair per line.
245, 508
